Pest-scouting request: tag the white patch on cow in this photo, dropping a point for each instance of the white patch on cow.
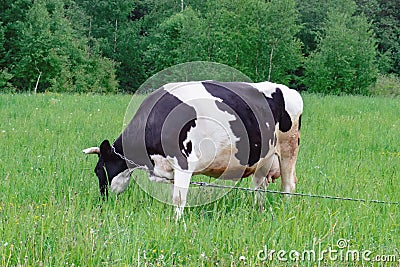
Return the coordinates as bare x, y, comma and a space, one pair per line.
293, 100
180, 190
205, 153
163, 171
267, 88
121, 181
267, 123
212, 137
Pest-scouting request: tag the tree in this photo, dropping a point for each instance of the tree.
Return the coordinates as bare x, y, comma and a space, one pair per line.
33, 48
312, 15
49, 54
281, 36
345, 59
5, 76
178, 39
385, 22
2, 41
386, 25
256, 37
115, 30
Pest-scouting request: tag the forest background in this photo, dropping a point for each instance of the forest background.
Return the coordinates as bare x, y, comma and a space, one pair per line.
335, 47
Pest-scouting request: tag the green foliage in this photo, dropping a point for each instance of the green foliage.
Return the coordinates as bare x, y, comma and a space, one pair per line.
68, 42
388, 32
97, 75
5, 85
50, 53
345, 60
112, 32
386, 85
244, 34
5, 76
386, 25
280, 30
178, 39
312, 14
2, 41
35, 49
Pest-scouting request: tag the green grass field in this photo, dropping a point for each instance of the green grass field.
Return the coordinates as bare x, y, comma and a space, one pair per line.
50, 213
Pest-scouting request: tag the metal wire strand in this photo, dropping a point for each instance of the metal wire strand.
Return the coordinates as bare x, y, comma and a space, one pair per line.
203, 184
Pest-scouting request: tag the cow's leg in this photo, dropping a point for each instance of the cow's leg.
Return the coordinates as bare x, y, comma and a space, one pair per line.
288, 148
260, 181
181, 186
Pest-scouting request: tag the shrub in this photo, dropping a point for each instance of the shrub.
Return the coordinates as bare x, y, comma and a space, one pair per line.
5, 77
345, 59
386, 85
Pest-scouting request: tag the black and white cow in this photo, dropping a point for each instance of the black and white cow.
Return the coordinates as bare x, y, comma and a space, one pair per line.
227, 130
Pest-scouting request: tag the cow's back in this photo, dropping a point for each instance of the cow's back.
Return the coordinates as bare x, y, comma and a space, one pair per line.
214, 128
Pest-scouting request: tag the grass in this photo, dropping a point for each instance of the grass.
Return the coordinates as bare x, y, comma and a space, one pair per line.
50, 213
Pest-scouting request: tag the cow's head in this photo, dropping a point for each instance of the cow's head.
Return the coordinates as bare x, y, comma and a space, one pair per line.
111, 169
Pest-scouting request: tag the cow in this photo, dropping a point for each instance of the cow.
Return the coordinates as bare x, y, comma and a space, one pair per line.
227, 130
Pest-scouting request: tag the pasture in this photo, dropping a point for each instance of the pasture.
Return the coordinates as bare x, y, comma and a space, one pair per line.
51, 215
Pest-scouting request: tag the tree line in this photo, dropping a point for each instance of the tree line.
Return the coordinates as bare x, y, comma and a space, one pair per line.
335, 47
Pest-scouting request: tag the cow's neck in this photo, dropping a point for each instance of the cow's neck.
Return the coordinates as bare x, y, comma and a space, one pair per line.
118, 145
118, 149
133, 157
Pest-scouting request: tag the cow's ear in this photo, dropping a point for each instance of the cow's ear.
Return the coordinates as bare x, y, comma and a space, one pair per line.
101, 174
105, 150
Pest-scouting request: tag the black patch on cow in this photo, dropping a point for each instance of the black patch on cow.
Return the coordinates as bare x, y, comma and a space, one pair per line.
254, 126
109, 163
159, 127
298, 141
167, 127
286, 122
114, 163
300, 122
101, 175
188, 148
183, 136
277, 104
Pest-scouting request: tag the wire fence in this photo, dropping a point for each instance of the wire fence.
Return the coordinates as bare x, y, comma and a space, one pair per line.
203, 184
